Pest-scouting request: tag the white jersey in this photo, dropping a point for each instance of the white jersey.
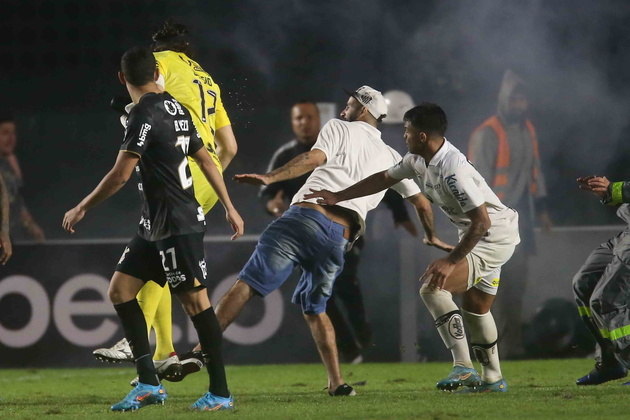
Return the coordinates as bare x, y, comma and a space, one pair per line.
354, 150
451, 182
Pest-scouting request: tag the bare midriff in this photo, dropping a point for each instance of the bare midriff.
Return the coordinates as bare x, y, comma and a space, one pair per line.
337, 214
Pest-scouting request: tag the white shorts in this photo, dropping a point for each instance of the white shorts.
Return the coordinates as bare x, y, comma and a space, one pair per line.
490, 253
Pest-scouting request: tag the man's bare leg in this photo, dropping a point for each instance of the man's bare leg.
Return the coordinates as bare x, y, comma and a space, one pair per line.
231, 305
233, 302
477, 301
324, 335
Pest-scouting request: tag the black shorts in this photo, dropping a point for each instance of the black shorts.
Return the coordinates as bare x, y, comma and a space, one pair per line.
179, 260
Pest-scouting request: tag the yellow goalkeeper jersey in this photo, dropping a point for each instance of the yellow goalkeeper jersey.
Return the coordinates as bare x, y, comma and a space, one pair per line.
193, 87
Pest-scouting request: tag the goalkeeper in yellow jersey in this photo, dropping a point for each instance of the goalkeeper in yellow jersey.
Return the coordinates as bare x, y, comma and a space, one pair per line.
194, 88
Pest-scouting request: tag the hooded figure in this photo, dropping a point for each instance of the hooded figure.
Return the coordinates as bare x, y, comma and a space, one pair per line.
504, 149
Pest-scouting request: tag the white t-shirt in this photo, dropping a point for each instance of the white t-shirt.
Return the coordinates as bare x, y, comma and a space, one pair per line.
354, 150
452, 183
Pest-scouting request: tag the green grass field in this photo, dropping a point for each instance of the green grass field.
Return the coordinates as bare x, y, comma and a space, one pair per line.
538, 390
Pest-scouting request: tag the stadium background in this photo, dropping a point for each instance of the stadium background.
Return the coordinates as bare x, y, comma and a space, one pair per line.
57, 74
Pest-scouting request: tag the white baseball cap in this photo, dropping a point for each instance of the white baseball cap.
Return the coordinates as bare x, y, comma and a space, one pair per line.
372, 99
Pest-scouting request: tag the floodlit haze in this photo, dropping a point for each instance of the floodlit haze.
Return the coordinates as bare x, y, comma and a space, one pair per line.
59, 60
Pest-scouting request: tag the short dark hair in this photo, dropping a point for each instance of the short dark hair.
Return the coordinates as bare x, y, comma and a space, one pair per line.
427, 117
305, 102
138, 65
172, 37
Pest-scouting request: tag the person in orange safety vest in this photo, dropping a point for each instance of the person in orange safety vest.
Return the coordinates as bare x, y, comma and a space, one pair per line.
504, 149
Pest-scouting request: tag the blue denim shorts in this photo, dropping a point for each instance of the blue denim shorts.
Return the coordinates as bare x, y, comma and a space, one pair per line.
301, 237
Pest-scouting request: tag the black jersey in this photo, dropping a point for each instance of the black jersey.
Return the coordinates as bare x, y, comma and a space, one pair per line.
161, 132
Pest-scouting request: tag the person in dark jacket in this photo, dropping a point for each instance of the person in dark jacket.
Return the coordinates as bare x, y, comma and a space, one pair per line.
353, 332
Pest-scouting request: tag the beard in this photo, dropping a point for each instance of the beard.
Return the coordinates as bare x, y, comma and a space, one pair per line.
350, 117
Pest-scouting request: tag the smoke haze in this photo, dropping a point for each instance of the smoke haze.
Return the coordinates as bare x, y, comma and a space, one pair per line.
60, 58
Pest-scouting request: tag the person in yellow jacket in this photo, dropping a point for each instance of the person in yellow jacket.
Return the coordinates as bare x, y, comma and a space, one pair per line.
194, 88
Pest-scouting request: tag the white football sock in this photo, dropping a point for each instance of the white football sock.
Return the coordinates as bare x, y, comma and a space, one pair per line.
449, 323
483, 340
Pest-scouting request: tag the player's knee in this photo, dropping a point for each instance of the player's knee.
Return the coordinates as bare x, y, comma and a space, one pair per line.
477, 301
117, 295
194, 301
193, 308
309, 317
427, 292
314, 313
243, 290
318, 321
477, 307
432, 296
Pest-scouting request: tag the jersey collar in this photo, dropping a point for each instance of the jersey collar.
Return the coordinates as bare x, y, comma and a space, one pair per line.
441, 153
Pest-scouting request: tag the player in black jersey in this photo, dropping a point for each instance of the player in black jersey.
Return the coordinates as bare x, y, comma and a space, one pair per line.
169, 243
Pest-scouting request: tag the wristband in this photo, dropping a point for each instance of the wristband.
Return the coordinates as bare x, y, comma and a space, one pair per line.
615, 194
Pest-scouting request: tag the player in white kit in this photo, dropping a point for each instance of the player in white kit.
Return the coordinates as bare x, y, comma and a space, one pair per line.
488, 234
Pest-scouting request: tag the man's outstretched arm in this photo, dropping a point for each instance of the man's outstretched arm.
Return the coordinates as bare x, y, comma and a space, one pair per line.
109, 185
294, 168
371, 185
611, 193
215, 179
425, 214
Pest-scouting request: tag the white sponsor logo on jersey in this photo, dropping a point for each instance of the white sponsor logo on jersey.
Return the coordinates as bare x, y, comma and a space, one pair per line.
181, 125
175, 278
173, 107
170, 107
204, 269
451, 181
122, 257
143, 134
146, 223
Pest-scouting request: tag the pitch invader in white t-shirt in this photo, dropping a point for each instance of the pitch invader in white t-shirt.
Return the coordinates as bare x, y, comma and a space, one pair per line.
488, 234
314, 237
